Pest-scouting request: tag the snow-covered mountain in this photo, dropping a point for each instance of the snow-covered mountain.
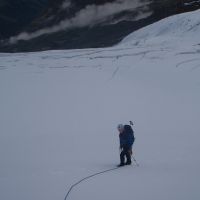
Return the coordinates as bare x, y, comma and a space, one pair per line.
35, 25
60, 109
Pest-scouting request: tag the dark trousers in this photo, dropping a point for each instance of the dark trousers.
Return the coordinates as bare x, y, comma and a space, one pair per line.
125, 153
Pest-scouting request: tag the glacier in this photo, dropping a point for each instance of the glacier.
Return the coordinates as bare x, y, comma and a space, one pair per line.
59, 112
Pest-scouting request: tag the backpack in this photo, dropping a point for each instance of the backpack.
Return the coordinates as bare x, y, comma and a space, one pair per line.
130, 134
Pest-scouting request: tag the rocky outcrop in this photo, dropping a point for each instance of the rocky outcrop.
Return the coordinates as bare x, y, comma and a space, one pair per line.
16, 15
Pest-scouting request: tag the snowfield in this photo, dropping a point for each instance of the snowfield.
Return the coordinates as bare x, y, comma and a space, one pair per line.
59, 111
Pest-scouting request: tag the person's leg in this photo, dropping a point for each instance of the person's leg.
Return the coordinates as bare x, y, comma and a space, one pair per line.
122, 157
128, 156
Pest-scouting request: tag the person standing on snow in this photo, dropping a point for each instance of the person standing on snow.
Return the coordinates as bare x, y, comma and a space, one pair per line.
126, 138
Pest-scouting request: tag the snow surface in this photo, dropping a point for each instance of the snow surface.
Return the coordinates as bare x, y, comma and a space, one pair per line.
59, 111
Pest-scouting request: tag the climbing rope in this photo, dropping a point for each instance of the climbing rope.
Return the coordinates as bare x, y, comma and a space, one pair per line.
77, 183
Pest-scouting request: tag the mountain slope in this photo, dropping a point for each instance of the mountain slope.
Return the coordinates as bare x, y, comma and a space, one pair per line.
179, 27
60, 109
70, 24
16, 15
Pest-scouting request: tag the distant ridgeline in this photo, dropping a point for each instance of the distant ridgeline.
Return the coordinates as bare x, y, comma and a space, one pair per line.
34, 25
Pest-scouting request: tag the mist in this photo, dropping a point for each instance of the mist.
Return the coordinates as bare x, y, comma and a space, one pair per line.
66, 4
89, 16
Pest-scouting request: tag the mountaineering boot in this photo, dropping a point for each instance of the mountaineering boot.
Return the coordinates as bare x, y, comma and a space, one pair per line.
128, 163
121, 165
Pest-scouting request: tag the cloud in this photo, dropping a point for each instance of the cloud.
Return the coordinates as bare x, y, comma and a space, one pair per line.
66, 4
89, 16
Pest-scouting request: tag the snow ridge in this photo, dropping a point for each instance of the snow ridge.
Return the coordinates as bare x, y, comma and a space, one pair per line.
186, 25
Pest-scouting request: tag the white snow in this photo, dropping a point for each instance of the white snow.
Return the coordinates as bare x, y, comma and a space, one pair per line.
59, 111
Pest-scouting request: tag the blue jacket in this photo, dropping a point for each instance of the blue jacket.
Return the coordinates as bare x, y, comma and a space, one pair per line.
126, 138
